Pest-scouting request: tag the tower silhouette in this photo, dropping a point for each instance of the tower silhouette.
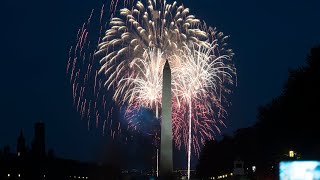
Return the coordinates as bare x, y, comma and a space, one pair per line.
21, 145
39, 144
166, 164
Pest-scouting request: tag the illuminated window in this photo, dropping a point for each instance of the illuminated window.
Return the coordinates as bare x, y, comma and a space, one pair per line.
8, 175
291, 154
19, 175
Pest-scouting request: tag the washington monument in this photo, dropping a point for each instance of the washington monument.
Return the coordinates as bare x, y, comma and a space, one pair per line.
166, 165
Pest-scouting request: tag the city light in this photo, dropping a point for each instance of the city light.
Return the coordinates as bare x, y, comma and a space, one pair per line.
291, 154
222, 176
254, 168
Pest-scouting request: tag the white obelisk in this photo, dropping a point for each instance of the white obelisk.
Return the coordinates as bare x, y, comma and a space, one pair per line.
166, 161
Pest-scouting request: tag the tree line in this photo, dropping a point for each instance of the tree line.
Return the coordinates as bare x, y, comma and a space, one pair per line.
288, 122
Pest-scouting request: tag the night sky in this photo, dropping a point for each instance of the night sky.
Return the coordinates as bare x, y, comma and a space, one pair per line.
268, 37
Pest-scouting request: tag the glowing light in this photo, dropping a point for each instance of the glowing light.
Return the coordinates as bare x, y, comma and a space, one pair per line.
254, 168
157, 162
128, 61
291, 154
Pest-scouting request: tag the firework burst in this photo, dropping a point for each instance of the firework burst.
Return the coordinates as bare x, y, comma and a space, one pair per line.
126, 68
199, 77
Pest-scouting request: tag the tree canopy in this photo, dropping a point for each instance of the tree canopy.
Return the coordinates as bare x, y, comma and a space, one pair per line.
287, 122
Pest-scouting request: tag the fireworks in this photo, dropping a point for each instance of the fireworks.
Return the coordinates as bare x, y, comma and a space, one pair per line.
198, 80
135, 47
127, 64
135, 36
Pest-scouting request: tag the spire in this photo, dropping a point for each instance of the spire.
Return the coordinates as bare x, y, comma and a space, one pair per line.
21, 145
166, 65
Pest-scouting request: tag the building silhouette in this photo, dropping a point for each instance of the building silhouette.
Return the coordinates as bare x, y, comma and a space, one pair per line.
37, 164
21, 145
39, 143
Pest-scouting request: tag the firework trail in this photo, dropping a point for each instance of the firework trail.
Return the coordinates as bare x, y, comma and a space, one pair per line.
137, 33
198, 78
89, 96
141, 38
124, 66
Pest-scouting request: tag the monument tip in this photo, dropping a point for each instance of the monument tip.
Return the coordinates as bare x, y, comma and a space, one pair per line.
167, 65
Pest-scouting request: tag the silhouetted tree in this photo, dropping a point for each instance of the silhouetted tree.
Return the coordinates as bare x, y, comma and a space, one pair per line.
289, 121
6, 149
216, 157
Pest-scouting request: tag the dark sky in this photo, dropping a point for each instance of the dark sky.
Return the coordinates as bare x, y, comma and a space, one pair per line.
268, 38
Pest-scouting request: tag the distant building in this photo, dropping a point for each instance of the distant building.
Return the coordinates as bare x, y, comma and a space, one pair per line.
39, 143
238, 169
37, 165
21, 145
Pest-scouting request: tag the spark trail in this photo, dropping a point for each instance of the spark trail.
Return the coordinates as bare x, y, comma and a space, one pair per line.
124, 66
